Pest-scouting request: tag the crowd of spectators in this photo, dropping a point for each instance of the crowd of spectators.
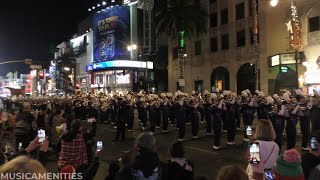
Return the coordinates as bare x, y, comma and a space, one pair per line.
73, 141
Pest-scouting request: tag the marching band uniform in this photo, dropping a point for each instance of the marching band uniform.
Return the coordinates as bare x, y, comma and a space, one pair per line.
277, 123
291, 121
104, 114
247, 111
217, 121
165, 107
181, 118
231, 121
208, 115
121, 121
302, 112
143, 114
193, 106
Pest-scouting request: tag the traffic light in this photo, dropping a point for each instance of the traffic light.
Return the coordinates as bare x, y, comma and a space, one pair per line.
41, 75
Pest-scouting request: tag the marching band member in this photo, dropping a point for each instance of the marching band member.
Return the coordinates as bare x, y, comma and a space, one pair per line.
302, 112
193, 106
231, 117
276, 120
207, 113
290, 119
247, 111
181, 116
165, 108
143, 113
217, 120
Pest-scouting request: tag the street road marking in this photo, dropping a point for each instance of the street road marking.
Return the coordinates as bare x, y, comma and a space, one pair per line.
202, 150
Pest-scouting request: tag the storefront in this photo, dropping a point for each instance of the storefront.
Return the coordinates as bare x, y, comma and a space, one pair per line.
312, 80
120, 75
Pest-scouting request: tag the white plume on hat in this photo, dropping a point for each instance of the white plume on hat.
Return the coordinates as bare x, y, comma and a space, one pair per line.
244, 94
298, 92
162, 95
169, 95
221, 96
276, 96
213, 95
225, 93
315, 92
261, 93
257, 92
248, 91
142, 99
206, 92
289, 93
286, 97
193, 92
270, 100
233, 94
139, 94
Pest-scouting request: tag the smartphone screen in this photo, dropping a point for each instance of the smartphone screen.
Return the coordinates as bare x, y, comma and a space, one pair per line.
254, 149
99, 145
314, 143
249, 131
20, 146
41, 135
268, 174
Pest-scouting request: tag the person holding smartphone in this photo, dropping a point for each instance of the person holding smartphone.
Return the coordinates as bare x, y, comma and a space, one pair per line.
311, 160
268, 150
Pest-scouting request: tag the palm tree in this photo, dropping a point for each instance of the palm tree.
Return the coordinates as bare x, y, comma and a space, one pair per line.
67, 59
184, 18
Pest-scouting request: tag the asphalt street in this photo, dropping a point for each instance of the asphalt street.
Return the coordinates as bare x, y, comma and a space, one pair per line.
207, 161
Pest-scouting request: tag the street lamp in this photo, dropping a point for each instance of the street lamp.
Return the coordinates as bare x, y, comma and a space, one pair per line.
273, 3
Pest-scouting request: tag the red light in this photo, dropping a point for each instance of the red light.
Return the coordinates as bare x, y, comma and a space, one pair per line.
78, 85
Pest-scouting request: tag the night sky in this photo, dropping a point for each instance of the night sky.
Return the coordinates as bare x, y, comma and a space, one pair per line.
28, 28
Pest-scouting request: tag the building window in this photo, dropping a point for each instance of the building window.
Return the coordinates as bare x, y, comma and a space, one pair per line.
224, 16
214, 44
241, 38
178, 87
239, 11
251, 9
225, 41
213, 20
252, 36
175, 52
314, 24
213, 1
198, 86
197, 47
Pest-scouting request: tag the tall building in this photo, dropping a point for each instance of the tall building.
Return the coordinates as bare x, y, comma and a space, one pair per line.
224, 58
117, 48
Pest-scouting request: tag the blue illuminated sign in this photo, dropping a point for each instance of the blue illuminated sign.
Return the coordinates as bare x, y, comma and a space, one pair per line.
111, 29
120, 64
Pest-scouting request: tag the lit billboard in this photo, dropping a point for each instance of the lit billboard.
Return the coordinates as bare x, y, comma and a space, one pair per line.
111, 30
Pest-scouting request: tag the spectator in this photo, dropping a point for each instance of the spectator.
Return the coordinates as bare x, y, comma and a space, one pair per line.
311, 161
146, 164
114, 167
3, 158
288, 166
57, 121
66, 172
179, 167
269, 150
232, 173
23, 164
73, 148
24, 131
124, 159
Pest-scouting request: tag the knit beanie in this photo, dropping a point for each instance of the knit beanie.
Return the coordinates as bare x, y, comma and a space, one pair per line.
288, 166
66, 172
